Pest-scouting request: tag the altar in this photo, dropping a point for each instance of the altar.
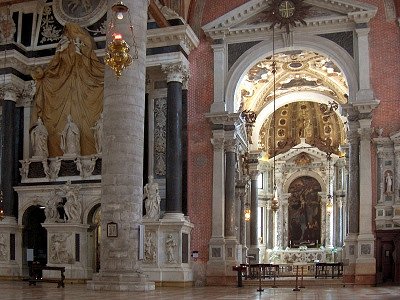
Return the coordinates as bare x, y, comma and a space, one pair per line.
304, 255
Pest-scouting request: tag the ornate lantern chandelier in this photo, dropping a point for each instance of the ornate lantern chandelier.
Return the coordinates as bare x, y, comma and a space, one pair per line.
117, 55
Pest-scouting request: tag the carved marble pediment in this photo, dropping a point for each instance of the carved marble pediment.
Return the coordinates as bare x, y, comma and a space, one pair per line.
250, 18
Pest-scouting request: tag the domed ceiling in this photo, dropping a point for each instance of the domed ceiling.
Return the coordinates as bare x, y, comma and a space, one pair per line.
314, 118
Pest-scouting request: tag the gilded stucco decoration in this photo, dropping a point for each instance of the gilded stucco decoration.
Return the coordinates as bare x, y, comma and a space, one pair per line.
313, 117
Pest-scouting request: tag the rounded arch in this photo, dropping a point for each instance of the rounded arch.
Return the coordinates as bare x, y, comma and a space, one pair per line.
303, 173
91, 209
312, 43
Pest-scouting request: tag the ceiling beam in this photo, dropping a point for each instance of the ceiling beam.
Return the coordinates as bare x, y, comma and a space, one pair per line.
158, 16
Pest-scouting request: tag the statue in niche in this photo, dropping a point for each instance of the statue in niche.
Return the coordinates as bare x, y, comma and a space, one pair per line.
70, 138
152, 200
170, 248
73, 207
98, 134
71, 84
388, 183
39, 136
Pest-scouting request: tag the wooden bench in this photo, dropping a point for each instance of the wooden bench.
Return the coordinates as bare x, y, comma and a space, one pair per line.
36, 275
328, 269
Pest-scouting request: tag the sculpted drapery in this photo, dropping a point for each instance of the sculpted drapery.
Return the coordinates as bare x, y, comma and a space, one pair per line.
72, 84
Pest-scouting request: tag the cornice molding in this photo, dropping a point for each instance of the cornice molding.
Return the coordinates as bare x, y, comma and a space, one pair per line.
224, 26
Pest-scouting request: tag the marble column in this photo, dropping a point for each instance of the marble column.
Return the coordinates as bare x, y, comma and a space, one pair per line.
254, 209
230, 164
241, 193
122, 167
362, 55
184, 143
174, 141
8, 152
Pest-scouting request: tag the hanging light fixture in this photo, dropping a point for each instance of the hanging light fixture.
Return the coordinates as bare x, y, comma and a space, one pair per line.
275, 200
117, 55
329, 204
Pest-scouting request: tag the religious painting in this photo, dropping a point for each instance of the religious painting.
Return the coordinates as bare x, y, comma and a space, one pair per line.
304, 212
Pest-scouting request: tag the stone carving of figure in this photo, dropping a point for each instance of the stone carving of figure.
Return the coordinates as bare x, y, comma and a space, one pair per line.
51, 211
70, 138
58, 249
389, 183
98, 134
170, 248
152, 200
39, 136
24, 170
149, 248
3, 248
72, 208
55, 165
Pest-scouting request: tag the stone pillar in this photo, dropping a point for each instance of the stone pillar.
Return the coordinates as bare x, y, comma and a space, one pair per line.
220, 69
8, 151
230, 164
365, 263
184, 143
353, 201
284, 208
241, 193
362, 55
253, 166
122, 167
174, 141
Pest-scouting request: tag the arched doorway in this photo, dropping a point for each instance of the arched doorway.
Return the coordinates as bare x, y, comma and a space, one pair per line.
34, 235
304, 212
94, 238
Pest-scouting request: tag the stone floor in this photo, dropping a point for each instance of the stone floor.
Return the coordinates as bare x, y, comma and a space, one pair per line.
14, 290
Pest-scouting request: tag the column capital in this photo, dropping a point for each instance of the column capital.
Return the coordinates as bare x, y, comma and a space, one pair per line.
175, 72
218, 143
230, 145
365, 133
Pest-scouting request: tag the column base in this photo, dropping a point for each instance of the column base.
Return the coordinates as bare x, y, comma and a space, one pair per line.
166, 251
120, 282
174, 216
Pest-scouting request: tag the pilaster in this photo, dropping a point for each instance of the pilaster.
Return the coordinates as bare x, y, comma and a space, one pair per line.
10, 249
220, 69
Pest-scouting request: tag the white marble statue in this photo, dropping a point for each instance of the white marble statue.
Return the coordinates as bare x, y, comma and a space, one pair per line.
39, 136
24, 170
73, 207
98, 134
70, 138
152, 200
389, 183
170, 248
150, 254
51, 211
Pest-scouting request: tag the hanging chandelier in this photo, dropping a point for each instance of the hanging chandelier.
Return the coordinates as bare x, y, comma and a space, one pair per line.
275, 200
118, 55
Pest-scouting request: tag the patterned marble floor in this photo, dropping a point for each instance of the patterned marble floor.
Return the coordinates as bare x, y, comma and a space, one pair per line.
15, 290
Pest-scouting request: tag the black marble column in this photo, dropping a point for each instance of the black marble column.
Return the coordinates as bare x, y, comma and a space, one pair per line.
8, 152
254, 210
230, 164
174, 148
353, 206
184, 150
